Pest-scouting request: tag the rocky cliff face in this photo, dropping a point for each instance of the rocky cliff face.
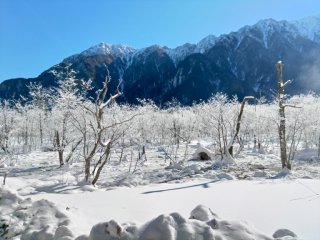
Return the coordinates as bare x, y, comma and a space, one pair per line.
239, 63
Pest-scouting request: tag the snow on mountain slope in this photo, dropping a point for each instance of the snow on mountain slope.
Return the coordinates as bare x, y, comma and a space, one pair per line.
309, 27
269, 26
206, 43
179, 53
104, 48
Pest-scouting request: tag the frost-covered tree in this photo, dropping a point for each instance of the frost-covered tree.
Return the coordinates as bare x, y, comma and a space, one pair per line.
7, 126
103, 139
41, 102
66, 106
219, 118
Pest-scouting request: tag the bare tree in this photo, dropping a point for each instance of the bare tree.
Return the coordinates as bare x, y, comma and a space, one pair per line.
99, 129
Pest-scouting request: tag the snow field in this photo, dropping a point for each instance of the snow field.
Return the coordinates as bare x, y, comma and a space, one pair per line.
157, 199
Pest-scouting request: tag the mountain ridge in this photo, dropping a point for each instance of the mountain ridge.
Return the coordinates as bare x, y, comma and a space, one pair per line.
239, 63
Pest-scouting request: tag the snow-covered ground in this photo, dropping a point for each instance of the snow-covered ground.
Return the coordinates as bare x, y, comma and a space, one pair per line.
234, 200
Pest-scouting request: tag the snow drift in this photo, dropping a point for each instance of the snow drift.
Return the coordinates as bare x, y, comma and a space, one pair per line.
39, 220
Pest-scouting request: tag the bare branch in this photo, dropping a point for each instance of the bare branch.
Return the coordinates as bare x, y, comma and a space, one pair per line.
286, 83
122, 122
111, 99
293, 106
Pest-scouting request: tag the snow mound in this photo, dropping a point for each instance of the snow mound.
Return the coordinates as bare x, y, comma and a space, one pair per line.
31, 220
202, 153
261, 174
203, 224
284, 234
283, 173
39, 220
202, 213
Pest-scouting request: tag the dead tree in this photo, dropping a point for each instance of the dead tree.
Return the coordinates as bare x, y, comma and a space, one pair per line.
282, 123
245, 99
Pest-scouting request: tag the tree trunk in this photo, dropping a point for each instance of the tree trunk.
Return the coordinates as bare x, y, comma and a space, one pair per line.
58, 146
88, 160
106, 156
41, 130
4, 178
60, 153
282, 125
74, 147
245, 99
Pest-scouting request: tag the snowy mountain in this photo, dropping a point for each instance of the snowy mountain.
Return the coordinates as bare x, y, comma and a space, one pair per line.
180, 53
309, 27
205, 44
239, 63
104, 49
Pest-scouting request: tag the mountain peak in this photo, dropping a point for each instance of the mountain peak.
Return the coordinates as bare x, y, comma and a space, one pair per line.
181, 52
105, 49
206, 43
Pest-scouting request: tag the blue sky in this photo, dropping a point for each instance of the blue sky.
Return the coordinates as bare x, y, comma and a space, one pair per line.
36, 34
